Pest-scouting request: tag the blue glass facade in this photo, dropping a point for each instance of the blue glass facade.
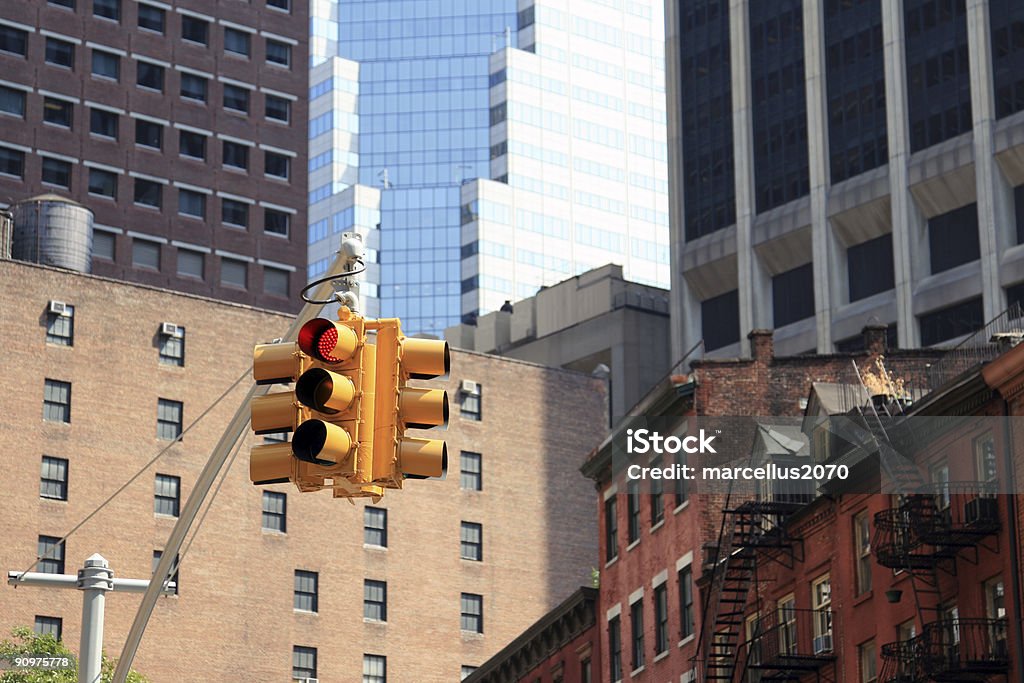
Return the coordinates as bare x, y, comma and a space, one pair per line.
424, 121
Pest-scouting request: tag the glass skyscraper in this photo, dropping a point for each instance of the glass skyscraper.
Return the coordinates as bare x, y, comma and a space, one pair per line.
512, 145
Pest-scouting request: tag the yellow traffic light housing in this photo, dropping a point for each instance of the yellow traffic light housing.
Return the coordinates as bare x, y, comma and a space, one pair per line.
350, 408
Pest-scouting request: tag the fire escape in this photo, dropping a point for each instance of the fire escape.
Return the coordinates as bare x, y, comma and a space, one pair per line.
778, 645
931, 528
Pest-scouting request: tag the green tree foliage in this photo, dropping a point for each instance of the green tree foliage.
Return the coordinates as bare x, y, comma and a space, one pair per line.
27, 643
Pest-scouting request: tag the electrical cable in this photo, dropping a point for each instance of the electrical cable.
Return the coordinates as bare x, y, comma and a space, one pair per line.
329, 278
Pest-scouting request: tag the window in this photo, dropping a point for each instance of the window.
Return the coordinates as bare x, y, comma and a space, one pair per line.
168, 419
58, 112
870, 268
149, 193
52, 626
862, 551
13, 40
275, 509
793, 295
375, 600
305, 591
236, 42
60, 52
680, 483
106, 64
102, 183
375, 526
303, 662
174, 578
633, 510
276, 165
236, 98
69, 4
193, 87
190, 263
375, 669
149, 76
685, 577
275, 281
278, 108
56, 401
953, 238
149, 134
470, 407
195, 30
12, 101
657, 496
985, 459
866, 662
615, 648
611, 529
236, 155
276, 222
285, 5
951, 322
60, 327
661, 618
636, 628
192, 145
279, 53
939, 475
103, 123
151, 18
53, 478
191, 203
145, 254
234, 213
103, 244
470, 474
12, 162
172, 347
472, 619
51, 553
233, 273
471, 537
166, 495
108, 9
56, 172
720, 320
586, 673
821, 602
787, 624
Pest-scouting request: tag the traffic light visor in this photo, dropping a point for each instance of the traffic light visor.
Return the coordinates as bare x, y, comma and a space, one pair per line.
321, 442
275, 363
325, 391
423, 458
271, 464
425, 358
327, 341
273, 413
422, 408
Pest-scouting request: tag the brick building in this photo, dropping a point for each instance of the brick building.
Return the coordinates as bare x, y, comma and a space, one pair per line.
181, 126
422, 586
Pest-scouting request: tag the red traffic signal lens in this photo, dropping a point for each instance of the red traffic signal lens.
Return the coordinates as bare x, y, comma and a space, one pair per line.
327, 341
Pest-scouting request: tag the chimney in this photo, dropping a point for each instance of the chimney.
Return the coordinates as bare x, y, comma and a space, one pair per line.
762, 345
874, 339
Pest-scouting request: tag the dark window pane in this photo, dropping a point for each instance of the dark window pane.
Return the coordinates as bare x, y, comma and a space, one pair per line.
58, 112
953, 238
235, 213
278, 108
275, 222
12, 101
148, 193
952, 322
60, 52
12, 162
720, 320
192, 145
870, 268
236, 98
237, 42
108, 9
103, 183
793, 295
149, 134
151, 18
13, 40
106, 64
102, 122
195, 29
150, 76
193, 87
279, 53
236, 155
57, 172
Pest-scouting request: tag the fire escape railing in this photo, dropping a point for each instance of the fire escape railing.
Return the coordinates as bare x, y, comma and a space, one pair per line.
950, 649
790, 640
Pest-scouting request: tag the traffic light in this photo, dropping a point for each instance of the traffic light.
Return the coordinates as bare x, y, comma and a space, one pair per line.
400, 407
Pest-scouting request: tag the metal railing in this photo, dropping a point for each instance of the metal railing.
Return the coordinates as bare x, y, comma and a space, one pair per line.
791, 639
977, 348
946, 649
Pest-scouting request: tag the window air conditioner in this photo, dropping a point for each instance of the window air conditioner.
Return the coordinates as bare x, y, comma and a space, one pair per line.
470, 387
170, 330
58, 307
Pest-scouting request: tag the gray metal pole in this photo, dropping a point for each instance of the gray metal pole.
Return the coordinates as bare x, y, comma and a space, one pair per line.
95, 579
202, 487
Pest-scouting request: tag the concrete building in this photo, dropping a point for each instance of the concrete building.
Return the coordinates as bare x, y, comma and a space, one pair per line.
592, 320
274, 584
515, 144
843, 163
181, 126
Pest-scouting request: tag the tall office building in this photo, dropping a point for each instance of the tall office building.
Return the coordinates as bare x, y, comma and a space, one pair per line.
837, 163
180, 125
513, 144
